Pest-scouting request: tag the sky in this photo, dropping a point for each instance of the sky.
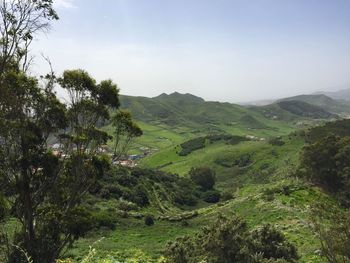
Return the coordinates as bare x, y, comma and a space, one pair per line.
222, 50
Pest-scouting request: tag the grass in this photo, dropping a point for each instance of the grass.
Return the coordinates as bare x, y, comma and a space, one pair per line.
248, 184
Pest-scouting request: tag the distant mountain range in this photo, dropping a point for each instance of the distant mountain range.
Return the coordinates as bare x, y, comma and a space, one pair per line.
325, 102
337, 102
343, 94
192, 111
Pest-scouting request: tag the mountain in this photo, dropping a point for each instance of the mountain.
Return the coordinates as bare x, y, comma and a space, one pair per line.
343, 94
327, 103
187, 109
293, 110
192, 111
305, 109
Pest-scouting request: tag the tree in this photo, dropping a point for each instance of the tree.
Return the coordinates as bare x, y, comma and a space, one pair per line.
326, 162
125, 130
229, 240
45, 189
204, 177
20, 21
332, 227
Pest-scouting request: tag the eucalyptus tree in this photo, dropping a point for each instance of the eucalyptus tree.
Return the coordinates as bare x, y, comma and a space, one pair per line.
125, 130
20, 22
45, 189
39, 187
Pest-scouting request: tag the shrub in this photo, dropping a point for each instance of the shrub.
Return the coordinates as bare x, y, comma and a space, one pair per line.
203, 177
149, 220
276, 141
183, 197
229, 240
273, 244
140, 196
192, 145
126, 205
104, 219
327, 163
126, 180
211, 196
225, 196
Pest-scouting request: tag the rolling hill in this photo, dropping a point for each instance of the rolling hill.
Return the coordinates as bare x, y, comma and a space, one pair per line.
235, 142
171, 119
343, 94
325, 102
192, 111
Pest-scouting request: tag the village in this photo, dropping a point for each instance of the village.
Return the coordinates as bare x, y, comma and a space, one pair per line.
126, 160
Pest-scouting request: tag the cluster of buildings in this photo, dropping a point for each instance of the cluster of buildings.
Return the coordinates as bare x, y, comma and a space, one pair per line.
254, 138
125, 160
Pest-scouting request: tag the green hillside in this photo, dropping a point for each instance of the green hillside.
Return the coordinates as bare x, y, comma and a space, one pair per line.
329, 104
168, 120
261, 187
239, 144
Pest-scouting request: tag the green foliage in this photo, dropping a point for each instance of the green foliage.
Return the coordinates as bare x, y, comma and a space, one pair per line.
192, 145
199, 142
229, 240
125, 130
338, 128
149, 220
211, 196
139, 186
104, 218
203, 177
305, 109
45, 189
251, 122
276, 141
233, 160
3, 208
20, 23
333, 229
323, 101
272, 244
327, 163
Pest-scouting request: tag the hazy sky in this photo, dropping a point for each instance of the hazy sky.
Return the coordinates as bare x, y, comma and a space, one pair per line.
224, 50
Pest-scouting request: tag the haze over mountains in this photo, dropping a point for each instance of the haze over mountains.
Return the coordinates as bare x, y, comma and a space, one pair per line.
343, 94
178, 108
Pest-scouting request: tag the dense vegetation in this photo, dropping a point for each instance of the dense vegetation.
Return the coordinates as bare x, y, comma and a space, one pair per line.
199, 160
304, 109
326, 162
200, 142
229, 240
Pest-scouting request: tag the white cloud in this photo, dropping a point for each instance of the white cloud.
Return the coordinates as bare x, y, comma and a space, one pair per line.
64, 4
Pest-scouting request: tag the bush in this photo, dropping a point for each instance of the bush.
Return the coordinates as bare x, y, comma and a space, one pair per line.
126, 180
327, 163
276, 141
192, 145
149, 220
203, 177
140, 196
225, 196
104, 219
211, 196
183, 197
231, 161
126, 205
272, 244
229, 240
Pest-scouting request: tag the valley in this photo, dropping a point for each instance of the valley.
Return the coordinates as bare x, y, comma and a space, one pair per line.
255, 174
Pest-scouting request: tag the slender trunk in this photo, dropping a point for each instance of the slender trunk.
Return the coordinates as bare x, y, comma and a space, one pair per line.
28, 217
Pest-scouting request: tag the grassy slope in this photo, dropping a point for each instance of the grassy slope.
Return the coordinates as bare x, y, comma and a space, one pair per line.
327, 103
249, 185
169, 121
